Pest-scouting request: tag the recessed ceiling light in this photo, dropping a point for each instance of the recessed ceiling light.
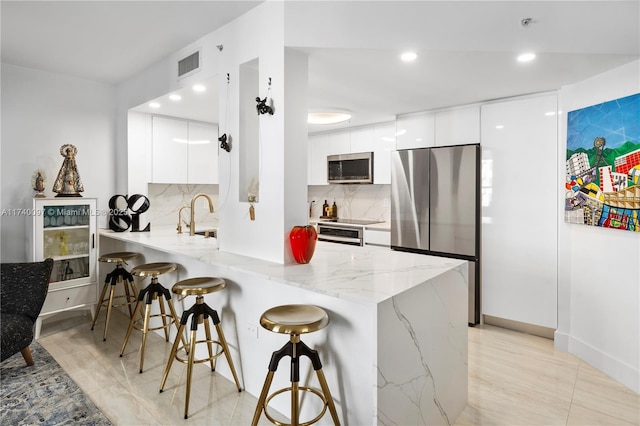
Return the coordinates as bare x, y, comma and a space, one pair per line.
154, 105
550, 113
199, 88
409, 56
175, 97
499, 126
526, 57
328, 117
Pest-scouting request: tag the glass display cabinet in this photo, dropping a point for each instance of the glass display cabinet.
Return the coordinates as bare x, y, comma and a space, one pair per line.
64, 229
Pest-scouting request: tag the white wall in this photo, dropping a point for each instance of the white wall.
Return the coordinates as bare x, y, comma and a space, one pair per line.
42, 111
599, 274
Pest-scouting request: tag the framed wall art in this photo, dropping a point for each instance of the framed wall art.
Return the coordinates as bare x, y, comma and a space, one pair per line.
602, 184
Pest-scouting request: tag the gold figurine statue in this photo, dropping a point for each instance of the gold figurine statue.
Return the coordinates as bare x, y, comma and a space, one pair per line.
68, 183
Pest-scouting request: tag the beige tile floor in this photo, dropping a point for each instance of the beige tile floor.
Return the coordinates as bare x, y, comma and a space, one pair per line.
514, 379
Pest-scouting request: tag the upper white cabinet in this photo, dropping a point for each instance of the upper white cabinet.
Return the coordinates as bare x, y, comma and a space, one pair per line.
384, 142
169, 150
415, 131
319, 146
379, 139
340, 143
362, 139
457, 126
202, 158
183, 151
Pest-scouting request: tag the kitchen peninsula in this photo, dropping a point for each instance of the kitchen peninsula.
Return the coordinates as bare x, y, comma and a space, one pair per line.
395, 351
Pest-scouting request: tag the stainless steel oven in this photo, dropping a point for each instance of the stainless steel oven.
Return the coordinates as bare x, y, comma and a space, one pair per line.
344, 231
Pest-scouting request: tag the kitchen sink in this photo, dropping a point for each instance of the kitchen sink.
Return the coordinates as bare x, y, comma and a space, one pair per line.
208, 233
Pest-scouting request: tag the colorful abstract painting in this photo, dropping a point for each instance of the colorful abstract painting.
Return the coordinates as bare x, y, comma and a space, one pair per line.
603, 165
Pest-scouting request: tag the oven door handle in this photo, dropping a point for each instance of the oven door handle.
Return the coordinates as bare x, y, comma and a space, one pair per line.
344, 239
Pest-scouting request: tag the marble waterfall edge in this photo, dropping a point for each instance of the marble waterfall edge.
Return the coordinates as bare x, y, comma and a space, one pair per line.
422, 368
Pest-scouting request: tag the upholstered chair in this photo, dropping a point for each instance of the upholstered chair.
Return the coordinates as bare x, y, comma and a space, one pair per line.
23, 289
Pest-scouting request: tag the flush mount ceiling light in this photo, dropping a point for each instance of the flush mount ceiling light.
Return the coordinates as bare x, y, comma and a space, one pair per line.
409, 56
328, 117
526, 57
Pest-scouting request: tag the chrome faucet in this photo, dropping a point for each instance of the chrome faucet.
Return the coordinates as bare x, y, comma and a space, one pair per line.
180, 220
192, 225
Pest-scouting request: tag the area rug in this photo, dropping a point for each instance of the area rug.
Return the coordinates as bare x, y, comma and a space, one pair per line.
43, 394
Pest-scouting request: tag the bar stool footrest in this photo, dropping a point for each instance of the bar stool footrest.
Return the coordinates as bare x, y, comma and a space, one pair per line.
184, 348
161, 327
301, 389
132, 299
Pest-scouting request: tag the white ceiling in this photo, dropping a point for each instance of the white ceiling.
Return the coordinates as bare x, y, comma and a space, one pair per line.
466, 49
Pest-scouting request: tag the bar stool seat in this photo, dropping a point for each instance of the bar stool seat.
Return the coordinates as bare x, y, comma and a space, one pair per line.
154, 291
118, 275
200, 312
295, 320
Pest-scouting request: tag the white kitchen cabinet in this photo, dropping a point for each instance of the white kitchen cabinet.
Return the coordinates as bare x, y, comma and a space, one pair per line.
379, 139
457, 126
169, 150
362, 139
377, 237
64, 229
340, 142
415, 130
202, 158
319, 146
520, 210
183, 151
384, 142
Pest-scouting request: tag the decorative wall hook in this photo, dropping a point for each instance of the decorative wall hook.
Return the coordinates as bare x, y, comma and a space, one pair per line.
224, 143
262, 106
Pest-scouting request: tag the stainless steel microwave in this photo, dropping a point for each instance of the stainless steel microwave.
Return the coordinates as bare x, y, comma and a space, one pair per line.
350, 168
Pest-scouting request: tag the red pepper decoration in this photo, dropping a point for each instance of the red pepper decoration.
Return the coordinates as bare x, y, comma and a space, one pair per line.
303, 242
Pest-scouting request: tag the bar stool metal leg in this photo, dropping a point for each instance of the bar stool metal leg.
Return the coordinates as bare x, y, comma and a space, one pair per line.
152, 292
200, 312
295, 320
118, 275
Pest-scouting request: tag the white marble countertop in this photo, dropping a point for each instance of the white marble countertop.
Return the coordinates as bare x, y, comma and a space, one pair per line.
366, 275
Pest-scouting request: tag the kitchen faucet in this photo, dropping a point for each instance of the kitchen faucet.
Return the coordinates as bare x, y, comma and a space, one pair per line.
192, 225
180, 220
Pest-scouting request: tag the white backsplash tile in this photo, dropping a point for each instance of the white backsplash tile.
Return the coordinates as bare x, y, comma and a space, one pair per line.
353, 201
166, 199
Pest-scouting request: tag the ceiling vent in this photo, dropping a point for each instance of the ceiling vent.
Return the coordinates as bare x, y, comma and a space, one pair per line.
189, 64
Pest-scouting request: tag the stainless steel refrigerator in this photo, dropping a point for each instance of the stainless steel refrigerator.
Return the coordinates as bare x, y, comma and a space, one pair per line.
435, 207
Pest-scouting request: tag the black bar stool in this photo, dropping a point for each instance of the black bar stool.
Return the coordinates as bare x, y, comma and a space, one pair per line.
200, 312
153, 291
118, 275
295, 320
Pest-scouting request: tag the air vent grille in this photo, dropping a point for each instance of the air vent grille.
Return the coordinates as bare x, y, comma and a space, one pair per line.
188, 64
